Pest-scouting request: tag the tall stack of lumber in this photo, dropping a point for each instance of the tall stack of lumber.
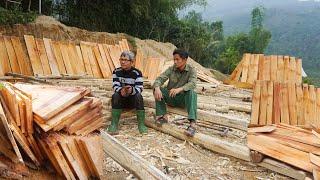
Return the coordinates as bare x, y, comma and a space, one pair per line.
271, 68
288, 103
295, 146
54, 123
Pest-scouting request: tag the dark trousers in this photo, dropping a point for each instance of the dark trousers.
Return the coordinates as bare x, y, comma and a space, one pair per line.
130, 102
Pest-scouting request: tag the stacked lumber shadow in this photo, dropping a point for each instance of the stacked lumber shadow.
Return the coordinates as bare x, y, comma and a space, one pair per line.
56, 123
292, 145
271, 68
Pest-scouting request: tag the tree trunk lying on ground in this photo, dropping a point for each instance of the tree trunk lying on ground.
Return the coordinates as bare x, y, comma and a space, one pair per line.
128, 159
224, 147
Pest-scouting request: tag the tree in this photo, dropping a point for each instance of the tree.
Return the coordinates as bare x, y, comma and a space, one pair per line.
259, 37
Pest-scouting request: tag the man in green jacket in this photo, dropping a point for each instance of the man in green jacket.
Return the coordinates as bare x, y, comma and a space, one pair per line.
179, 91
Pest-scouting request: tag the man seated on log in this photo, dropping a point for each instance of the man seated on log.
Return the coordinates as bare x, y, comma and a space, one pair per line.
128, 86
179, 91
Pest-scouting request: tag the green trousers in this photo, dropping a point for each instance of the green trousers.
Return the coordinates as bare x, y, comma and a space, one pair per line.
186, 99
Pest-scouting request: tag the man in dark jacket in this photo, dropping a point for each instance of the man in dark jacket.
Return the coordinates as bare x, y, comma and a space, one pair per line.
128, 86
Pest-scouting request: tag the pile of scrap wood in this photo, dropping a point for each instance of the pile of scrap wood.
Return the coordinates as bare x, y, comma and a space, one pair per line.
271, 68
295, 146
37, 123
288, 103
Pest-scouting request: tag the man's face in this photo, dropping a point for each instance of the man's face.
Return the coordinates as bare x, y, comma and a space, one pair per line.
125, 63
179, 62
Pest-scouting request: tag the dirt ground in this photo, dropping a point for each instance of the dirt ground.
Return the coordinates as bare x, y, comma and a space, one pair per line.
176, 158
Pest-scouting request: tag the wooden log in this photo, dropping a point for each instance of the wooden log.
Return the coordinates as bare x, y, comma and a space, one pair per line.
283, 168
131, 161
31, 78
269, 102
216, 118
208, 142
225, 147
263, 103
256, 103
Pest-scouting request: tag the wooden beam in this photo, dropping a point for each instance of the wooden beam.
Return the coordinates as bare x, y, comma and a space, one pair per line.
225, 147
206, 141
215, 118
131, 161
283, 169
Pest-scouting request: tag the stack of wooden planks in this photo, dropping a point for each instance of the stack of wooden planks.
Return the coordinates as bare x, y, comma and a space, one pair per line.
74, 157
295, 146
64, 108
288, 103
33, 56
48, 57
272, 68
57, 112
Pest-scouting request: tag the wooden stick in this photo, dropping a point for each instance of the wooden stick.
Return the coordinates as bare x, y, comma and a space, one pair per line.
131, 161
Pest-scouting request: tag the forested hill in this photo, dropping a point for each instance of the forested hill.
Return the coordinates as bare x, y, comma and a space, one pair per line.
295, 26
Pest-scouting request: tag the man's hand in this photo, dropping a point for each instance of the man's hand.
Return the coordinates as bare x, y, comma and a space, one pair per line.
157, 94
128, 89
123, 92
174, 92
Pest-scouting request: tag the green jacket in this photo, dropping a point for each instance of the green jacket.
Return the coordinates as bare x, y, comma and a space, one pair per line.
186, 79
